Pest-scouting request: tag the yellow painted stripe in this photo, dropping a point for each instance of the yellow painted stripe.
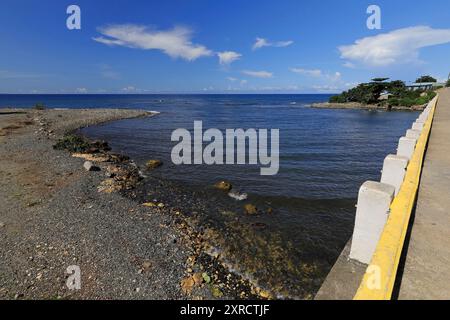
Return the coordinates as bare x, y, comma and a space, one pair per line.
378, 281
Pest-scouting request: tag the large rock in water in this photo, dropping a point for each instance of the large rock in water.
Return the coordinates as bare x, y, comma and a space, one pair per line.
153, 164
223, 185
250, 209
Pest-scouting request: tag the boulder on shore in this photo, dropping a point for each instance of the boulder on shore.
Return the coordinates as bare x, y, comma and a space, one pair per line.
89, 166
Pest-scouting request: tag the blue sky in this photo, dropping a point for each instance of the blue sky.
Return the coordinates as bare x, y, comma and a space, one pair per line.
204, 46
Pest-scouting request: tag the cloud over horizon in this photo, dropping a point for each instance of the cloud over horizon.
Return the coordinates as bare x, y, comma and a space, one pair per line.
261, 43
258, 74
308, 72
397, 46
317, 73
175, 42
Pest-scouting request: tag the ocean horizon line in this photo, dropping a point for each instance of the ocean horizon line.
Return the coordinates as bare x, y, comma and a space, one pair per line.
166, 94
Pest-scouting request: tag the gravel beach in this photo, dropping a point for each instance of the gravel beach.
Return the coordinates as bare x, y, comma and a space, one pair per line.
53, 216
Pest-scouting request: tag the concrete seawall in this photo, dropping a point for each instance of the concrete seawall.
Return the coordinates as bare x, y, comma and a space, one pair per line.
368, 265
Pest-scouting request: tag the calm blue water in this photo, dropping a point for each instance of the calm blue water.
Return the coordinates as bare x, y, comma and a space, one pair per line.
325, 155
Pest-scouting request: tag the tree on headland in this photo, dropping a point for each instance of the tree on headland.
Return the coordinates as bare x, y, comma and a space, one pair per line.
380, 79
423, 79
369, 93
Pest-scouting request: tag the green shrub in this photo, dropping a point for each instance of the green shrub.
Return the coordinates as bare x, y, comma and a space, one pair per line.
431, 94
448, 83
72, 143
338, 99
411, 98
394, 102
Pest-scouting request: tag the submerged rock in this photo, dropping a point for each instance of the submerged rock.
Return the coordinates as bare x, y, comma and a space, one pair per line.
250, 209
153, 164
118, 158
223, 185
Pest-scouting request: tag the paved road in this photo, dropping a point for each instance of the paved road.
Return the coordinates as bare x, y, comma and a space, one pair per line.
427, 268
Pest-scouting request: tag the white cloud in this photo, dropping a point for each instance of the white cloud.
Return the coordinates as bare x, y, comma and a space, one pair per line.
258, 74
327, 89
351, 84
129, 89
241, 81
81, 90
261, 42
227, 57
349, 65
317, 73
398, 46
312, 72
334, 77
175, 42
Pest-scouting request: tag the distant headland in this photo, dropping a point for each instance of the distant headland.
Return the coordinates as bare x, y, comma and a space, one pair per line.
382, 94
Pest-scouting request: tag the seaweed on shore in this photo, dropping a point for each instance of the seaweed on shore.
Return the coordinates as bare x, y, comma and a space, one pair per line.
72, 143
76, 143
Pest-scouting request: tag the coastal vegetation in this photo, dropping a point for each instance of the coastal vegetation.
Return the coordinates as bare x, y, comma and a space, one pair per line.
424, 79
384, 93
448, 83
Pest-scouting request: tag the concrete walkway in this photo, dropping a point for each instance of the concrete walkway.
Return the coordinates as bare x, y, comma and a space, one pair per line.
426, 273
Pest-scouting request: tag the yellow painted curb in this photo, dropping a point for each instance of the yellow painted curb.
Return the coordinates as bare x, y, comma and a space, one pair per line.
379, 279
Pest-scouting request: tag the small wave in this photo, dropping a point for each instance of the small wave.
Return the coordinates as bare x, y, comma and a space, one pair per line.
238, 196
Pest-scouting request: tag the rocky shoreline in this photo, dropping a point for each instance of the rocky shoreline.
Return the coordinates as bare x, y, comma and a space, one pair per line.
81, 207
356, 105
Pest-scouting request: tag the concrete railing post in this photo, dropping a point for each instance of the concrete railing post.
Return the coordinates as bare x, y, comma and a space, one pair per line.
374, 200
417, 126
406, 147
422, 118
413, 134
394, 170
